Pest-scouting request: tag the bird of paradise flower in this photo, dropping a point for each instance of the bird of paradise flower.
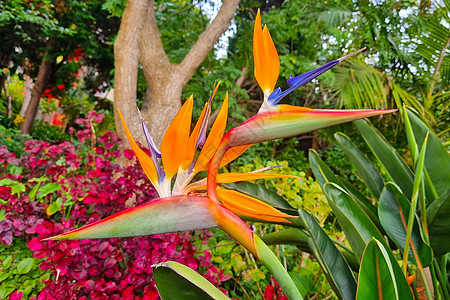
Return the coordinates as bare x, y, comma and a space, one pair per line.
183, 205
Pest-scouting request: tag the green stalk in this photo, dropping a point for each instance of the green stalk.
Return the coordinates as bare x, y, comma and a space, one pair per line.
415, 196
435, 280
444, 271
275, 267
424, 279
442, 280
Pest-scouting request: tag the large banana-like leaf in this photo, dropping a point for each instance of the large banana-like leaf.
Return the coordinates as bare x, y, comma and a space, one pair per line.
388, 157
393, 210
170, 214
176, 281
437, 159
439, 224
332, 262
362, 165
357, 226
323, 174
380, 276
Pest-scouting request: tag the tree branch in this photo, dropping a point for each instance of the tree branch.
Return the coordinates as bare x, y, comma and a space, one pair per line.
154, 59
207, 39
126, 60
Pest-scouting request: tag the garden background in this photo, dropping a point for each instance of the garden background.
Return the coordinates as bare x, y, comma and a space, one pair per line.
66, 66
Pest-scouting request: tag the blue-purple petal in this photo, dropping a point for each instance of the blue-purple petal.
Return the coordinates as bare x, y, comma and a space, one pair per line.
298, 81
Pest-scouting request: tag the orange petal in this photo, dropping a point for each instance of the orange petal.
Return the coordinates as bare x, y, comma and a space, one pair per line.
265, 55
192, 143
214, 137
144, 160
200, 126
174, 145
234, 226
248, 206
233, 153
234, 177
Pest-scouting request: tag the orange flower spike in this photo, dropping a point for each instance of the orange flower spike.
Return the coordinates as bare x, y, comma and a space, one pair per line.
265, 55
175, 141
214, 137
144, 160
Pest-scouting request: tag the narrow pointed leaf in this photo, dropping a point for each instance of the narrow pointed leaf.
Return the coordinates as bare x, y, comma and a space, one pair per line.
394, 210
439, 224
170, 214
323, 174
362, 165
175, 141
286, 121
214, 137
380, 275
357, 226
299, 238
331, 261
437, 159
176, 281
277, 270
388, 157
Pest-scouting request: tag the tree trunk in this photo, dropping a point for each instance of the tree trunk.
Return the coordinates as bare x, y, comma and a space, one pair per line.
126, 60
165, 80
45, 72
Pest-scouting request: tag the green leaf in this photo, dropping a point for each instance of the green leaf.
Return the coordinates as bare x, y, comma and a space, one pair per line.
176, 281
362, 165
439, 224
388, 157
5, 291
288, 236
394, 210
33, 192
2, 214
303, 279
25, 265
324, 174
7, 262
16, 187
49, 188
357, 226
55, 206
331, 261
259, 192
170, 214
437, 159
277, 270
380, 276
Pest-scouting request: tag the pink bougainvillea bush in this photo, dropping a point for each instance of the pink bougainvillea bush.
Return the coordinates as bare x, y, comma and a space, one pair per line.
55, 188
